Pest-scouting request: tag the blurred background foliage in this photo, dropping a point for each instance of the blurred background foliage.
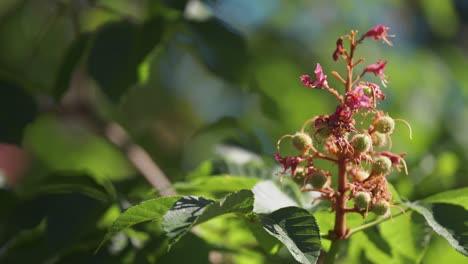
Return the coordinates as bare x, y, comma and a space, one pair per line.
196, 81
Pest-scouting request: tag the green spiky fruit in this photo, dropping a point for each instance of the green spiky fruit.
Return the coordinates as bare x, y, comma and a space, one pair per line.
384, 125
380, 207
318, 180
381, 165
379, 139
362, 200
362, 143
301, 141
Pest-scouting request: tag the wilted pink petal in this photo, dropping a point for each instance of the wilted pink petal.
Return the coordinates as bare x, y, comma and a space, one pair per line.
288, 163
339, 49
379, 32
377, 69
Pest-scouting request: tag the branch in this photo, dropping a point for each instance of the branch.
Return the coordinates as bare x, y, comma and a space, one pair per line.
78, 105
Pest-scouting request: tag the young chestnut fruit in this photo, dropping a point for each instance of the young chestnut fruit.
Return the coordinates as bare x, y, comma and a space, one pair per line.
362, 200
384, 125
381, 165
318, 180
380, 207
301, 141
362, 143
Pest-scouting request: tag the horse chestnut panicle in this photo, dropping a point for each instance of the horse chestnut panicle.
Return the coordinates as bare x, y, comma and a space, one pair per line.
302, 142
384, 124
381, 165
362, 200
362, 143
380, 207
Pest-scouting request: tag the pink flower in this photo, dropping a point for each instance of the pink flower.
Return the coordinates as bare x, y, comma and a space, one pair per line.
379, 32
321, 79
377, 69
356, 99
339, 49
288, 163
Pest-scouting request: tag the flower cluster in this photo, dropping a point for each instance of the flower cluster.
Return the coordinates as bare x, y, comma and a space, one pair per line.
361, 152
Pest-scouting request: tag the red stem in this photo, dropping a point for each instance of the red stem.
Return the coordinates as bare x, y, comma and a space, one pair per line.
340, 217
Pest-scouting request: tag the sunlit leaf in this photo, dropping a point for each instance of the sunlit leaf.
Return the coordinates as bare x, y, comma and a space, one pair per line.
456, 197
190, 211
298, 231
268, 197
269, 243
148, 210
407, 235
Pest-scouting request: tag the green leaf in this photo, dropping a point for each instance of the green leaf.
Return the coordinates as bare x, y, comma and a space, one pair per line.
148, 210
191, 249
190, 211
298, 231
69, 63
221, 48
456, 197
447, 220
117, 51
268, 198
359, 243
17, 110
68, 182
408, 236
269, 243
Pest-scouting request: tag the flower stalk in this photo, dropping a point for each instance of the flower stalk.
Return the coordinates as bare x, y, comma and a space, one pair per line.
356, 149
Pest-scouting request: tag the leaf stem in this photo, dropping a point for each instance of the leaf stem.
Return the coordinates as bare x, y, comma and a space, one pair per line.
373, 223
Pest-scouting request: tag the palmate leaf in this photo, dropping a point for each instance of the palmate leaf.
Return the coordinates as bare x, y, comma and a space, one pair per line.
298, 231
191, 210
